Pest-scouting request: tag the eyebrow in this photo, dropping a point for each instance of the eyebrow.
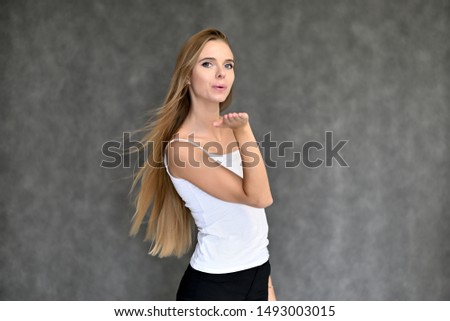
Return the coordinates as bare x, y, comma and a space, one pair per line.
212, 58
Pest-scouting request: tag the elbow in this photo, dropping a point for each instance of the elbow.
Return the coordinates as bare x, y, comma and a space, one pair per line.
263, 202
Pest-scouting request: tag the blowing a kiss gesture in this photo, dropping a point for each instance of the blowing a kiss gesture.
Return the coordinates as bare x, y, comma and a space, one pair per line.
232, 120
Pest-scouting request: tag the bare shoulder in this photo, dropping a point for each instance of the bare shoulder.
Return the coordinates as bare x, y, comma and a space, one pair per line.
190, 162
227, 144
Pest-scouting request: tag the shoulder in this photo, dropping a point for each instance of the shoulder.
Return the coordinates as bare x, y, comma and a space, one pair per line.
227, 143
187, 160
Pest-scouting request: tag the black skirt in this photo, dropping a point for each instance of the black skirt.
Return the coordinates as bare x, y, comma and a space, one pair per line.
246, 285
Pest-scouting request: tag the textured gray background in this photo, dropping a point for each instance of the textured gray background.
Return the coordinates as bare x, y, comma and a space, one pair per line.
75, 74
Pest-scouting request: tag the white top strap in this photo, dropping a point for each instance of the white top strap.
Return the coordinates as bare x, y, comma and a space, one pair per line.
186, 140
181, 140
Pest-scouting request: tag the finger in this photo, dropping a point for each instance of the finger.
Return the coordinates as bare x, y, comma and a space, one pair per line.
231, 118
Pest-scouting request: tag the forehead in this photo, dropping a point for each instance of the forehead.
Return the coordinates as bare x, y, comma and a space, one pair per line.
216, 49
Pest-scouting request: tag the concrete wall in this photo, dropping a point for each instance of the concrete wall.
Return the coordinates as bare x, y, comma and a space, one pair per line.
76, 74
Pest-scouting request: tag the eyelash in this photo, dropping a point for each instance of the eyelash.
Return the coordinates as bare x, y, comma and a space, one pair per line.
207, 64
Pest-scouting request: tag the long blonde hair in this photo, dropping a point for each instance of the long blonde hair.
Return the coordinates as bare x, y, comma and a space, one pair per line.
170, 225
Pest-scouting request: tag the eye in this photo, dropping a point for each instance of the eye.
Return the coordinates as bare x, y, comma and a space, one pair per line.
207, 64
229, 66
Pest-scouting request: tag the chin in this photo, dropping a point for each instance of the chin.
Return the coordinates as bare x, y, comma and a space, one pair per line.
221, 99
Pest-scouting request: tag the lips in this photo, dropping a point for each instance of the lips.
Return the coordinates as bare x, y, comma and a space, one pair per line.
219, 87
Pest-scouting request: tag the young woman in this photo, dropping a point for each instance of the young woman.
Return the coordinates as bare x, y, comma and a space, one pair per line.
207, 167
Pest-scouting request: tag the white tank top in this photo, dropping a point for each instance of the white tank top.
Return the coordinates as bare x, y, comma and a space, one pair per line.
231, 236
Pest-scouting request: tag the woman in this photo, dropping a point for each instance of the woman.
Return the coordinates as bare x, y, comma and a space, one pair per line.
214, 172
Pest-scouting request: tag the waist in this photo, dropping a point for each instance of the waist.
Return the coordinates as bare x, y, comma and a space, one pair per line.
230, 275
211, 258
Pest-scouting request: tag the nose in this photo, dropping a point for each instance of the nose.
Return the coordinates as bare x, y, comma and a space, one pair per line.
220, 73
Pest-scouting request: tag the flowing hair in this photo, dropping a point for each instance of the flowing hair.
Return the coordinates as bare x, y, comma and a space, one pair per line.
170, 226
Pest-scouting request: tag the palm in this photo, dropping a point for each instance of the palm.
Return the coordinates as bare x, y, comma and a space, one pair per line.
232, 120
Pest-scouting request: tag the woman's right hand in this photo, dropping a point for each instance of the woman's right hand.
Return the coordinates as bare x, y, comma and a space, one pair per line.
232, 120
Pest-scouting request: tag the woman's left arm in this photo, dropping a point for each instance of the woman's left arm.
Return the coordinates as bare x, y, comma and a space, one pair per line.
272, 296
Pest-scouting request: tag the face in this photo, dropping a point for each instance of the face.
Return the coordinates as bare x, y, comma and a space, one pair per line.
213, 75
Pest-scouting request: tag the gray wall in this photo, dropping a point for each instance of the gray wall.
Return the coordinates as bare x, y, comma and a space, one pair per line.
75, 74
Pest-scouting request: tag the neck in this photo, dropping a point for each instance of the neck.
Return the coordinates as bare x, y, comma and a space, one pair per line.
201, 117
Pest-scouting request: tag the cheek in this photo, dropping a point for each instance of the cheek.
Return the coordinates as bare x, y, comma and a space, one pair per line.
231, 78
198, 79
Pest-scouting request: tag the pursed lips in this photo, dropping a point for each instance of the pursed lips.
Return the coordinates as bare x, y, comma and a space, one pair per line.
219, 87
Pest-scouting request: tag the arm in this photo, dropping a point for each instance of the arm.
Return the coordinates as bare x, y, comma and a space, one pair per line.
272, 296
194, 165
256, 182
